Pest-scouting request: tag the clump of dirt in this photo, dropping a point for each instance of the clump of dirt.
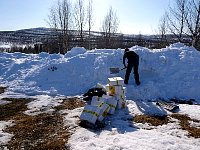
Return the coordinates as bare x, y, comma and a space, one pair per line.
153, 120
15, 107
70, 103
185, 125
2, 89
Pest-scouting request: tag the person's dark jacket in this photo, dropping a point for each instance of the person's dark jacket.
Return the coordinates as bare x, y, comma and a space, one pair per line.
132, 57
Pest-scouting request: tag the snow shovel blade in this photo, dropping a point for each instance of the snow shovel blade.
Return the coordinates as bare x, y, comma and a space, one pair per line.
115, 70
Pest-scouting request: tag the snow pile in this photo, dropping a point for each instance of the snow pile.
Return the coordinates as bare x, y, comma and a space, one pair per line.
170, 72
76, 51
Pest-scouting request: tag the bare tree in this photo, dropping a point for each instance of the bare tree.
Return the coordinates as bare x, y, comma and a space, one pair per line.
184, 19
176, 18
140, 39
60, 20
193, 22
90, 21
162, 30
80, 18
109, 26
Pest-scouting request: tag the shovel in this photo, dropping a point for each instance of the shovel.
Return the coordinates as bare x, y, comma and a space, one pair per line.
115, 70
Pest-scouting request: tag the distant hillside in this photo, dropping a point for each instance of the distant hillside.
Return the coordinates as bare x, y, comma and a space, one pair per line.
46, 37
25, 36
33, 35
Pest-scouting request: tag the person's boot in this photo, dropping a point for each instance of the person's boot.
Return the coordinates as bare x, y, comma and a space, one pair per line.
138, 83
125, 82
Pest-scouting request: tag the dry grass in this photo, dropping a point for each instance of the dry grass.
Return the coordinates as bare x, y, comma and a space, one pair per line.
153, 120
15, 107
41, 132
185, 125
184, 122
70, 103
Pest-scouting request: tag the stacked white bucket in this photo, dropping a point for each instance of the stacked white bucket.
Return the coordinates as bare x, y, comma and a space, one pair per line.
107, 104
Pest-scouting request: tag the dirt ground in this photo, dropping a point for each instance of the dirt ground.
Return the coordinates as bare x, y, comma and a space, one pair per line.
47, 131
40, 132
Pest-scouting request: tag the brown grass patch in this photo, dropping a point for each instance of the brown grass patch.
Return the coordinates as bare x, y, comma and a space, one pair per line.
70, 103
153, 120
2, 90
184, 122
17, 106
185, 125
40, 132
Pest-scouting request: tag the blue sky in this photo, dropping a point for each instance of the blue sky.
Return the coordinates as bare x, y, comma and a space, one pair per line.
136, 16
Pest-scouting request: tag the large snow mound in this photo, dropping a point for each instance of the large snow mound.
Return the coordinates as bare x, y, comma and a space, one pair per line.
171, 72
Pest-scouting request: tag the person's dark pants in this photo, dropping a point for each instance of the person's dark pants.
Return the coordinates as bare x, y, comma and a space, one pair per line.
128, 72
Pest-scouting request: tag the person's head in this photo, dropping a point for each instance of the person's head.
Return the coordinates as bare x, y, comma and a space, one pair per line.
126, 50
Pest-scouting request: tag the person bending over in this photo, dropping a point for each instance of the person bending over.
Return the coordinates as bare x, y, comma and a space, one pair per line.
132, 63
